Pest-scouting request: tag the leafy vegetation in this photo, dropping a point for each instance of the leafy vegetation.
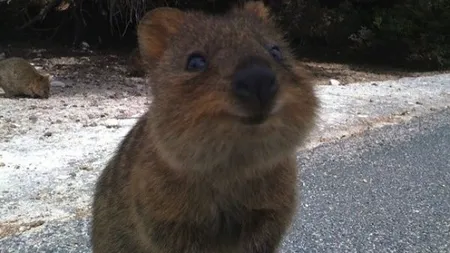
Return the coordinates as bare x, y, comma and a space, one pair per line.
413, 33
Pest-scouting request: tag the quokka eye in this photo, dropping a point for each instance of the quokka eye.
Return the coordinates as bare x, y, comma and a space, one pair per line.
276, 53
196, 62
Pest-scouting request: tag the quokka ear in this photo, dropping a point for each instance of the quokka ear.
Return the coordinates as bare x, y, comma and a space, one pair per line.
155, 29
258, 8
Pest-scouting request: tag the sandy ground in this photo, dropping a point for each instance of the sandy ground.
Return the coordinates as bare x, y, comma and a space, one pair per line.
52, 151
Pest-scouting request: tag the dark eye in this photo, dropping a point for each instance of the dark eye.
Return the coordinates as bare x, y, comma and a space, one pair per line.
196, 62
276, 53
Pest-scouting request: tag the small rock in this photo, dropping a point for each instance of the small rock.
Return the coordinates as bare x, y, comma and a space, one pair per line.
86, 168
418, 103
374, 84
33, 118
48, 134
110, 123
17, 167
113, 95
334, 82
2, 164
58, 84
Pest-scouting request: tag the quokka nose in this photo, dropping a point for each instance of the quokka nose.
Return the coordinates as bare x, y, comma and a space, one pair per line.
255, 85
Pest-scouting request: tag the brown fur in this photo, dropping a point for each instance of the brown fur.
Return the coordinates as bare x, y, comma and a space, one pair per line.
18, 78
191, 177
135, 65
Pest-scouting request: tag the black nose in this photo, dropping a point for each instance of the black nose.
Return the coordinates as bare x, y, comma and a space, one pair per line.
256, 86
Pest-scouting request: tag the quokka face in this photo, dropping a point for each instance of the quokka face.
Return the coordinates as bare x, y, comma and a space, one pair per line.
226, 90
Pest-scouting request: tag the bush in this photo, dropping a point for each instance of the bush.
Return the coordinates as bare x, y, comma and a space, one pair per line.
418, 29
402, 32
410, 32
101, 22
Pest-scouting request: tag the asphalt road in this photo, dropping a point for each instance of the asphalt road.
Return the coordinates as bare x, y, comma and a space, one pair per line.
387, 190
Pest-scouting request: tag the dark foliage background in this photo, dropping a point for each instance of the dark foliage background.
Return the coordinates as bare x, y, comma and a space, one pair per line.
406, 33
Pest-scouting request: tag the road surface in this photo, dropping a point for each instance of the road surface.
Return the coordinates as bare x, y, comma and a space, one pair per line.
387, 190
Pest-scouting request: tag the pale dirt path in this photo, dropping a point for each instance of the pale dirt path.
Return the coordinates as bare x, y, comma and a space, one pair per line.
51, 151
